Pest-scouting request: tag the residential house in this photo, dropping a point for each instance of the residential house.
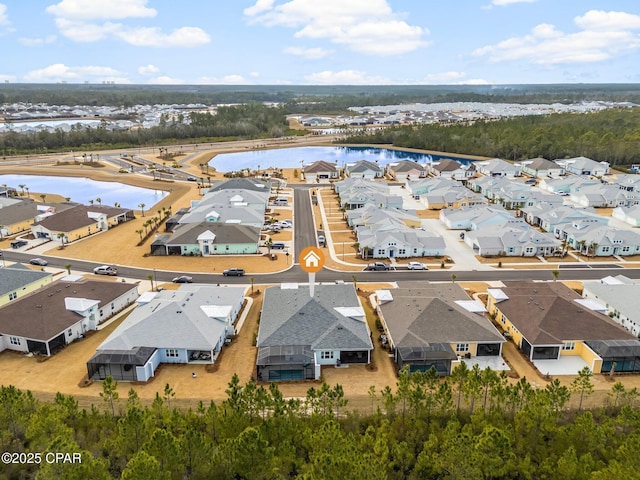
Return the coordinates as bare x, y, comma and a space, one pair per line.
603, 196
474, 217
497, 167
420, 187
619, 298
370, 215
242, 207
552, 325
406, 170
541, 167
18, 280
17, 215
356, 183
364, 169
630, 215
208, 238
550, 216
512, 241
584, 166
55, 315
521, 198
80, 221
599, 240
189, 325
451, 169
320, 171
300, 333
447, 197
252, 184
358, 198
436, 325
626, 182
390, 240
568, 184
494, 187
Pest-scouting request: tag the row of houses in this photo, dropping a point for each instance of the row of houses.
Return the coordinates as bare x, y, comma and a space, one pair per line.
64, 222
225, 221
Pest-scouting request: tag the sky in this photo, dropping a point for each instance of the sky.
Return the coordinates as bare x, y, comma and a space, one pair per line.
320, 42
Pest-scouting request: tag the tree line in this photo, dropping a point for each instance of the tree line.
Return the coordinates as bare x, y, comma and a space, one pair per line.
609, 135
251, 120
474, 424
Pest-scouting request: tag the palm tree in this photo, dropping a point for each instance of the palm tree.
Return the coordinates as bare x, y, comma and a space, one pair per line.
150, 278
27, 189
99, 200
453, 278
142, 205
61, 237
43, 196
252, 279
68, 267
139, 232
22, 185
268, 244
355, 281
593, 247
556, 274
91, 201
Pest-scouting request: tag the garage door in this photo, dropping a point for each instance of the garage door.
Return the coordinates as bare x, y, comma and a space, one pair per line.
275, 375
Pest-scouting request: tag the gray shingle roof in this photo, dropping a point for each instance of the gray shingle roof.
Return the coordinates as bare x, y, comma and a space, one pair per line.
17, 276
292, 317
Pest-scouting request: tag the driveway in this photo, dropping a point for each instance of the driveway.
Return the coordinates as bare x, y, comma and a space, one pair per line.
456, 248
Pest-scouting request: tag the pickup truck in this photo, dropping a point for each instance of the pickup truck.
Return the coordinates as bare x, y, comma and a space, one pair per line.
377, 267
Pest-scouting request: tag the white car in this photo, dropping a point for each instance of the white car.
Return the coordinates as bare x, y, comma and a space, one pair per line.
105, 270
417, 266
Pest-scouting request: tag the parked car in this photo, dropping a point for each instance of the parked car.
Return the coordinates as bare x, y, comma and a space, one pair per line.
18, 243
183, 279
531, 181
378, 266
233, 272
192, 179
39, 261
285, 223
105, 270
277, 246
417, 266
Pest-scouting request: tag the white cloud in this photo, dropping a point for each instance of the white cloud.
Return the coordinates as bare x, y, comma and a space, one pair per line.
165, 80
444, 78
103, 9
254, 74
474, 81
148, 70
604, 35
226, 80
345, 77
502, 3
364, 26
308, 53
89, 21
259, 7
4, 18
59, 72
153, 37
37, 42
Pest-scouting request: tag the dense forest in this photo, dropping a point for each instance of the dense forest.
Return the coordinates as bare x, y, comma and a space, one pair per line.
474, 424
251, 120
609, 135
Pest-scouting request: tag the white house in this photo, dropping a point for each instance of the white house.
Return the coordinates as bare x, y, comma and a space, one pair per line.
619, 299
631, 215
498, 168
584, 166
541, 167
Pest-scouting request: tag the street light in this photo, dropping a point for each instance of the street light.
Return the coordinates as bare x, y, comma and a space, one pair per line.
286, 254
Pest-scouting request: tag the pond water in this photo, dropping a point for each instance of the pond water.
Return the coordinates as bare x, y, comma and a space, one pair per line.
82, 190
292, 157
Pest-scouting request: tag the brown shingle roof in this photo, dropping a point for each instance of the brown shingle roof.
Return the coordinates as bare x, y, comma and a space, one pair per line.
42, 315
546, 313
78, 217
320, 166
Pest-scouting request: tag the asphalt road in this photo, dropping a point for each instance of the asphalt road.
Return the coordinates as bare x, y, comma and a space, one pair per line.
295, 273
304, 227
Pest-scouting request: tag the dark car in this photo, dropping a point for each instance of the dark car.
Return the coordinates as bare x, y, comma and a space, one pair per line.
18, 243
183, 279
39, 261
233, 272
377, 267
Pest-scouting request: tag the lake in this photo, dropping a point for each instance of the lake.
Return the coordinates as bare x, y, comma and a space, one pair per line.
82, 190
292, 157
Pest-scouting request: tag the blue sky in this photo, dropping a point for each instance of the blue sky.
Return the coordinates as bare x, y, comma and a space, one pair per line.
313, 42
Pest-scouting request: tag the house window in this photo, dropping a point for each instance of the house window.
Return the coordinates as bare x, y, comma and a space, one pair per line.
569, 346
226, 247
380, 251
625, 249
14, 340
605, 249
326, 355
13, 295
172, 352
402, 251
69, 332
113, 306
462, 347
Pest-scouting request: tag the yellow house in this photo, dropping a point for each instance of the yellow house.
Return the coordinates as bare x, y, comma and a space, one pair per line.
555, 328
17, 281
16, 216
437, 325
